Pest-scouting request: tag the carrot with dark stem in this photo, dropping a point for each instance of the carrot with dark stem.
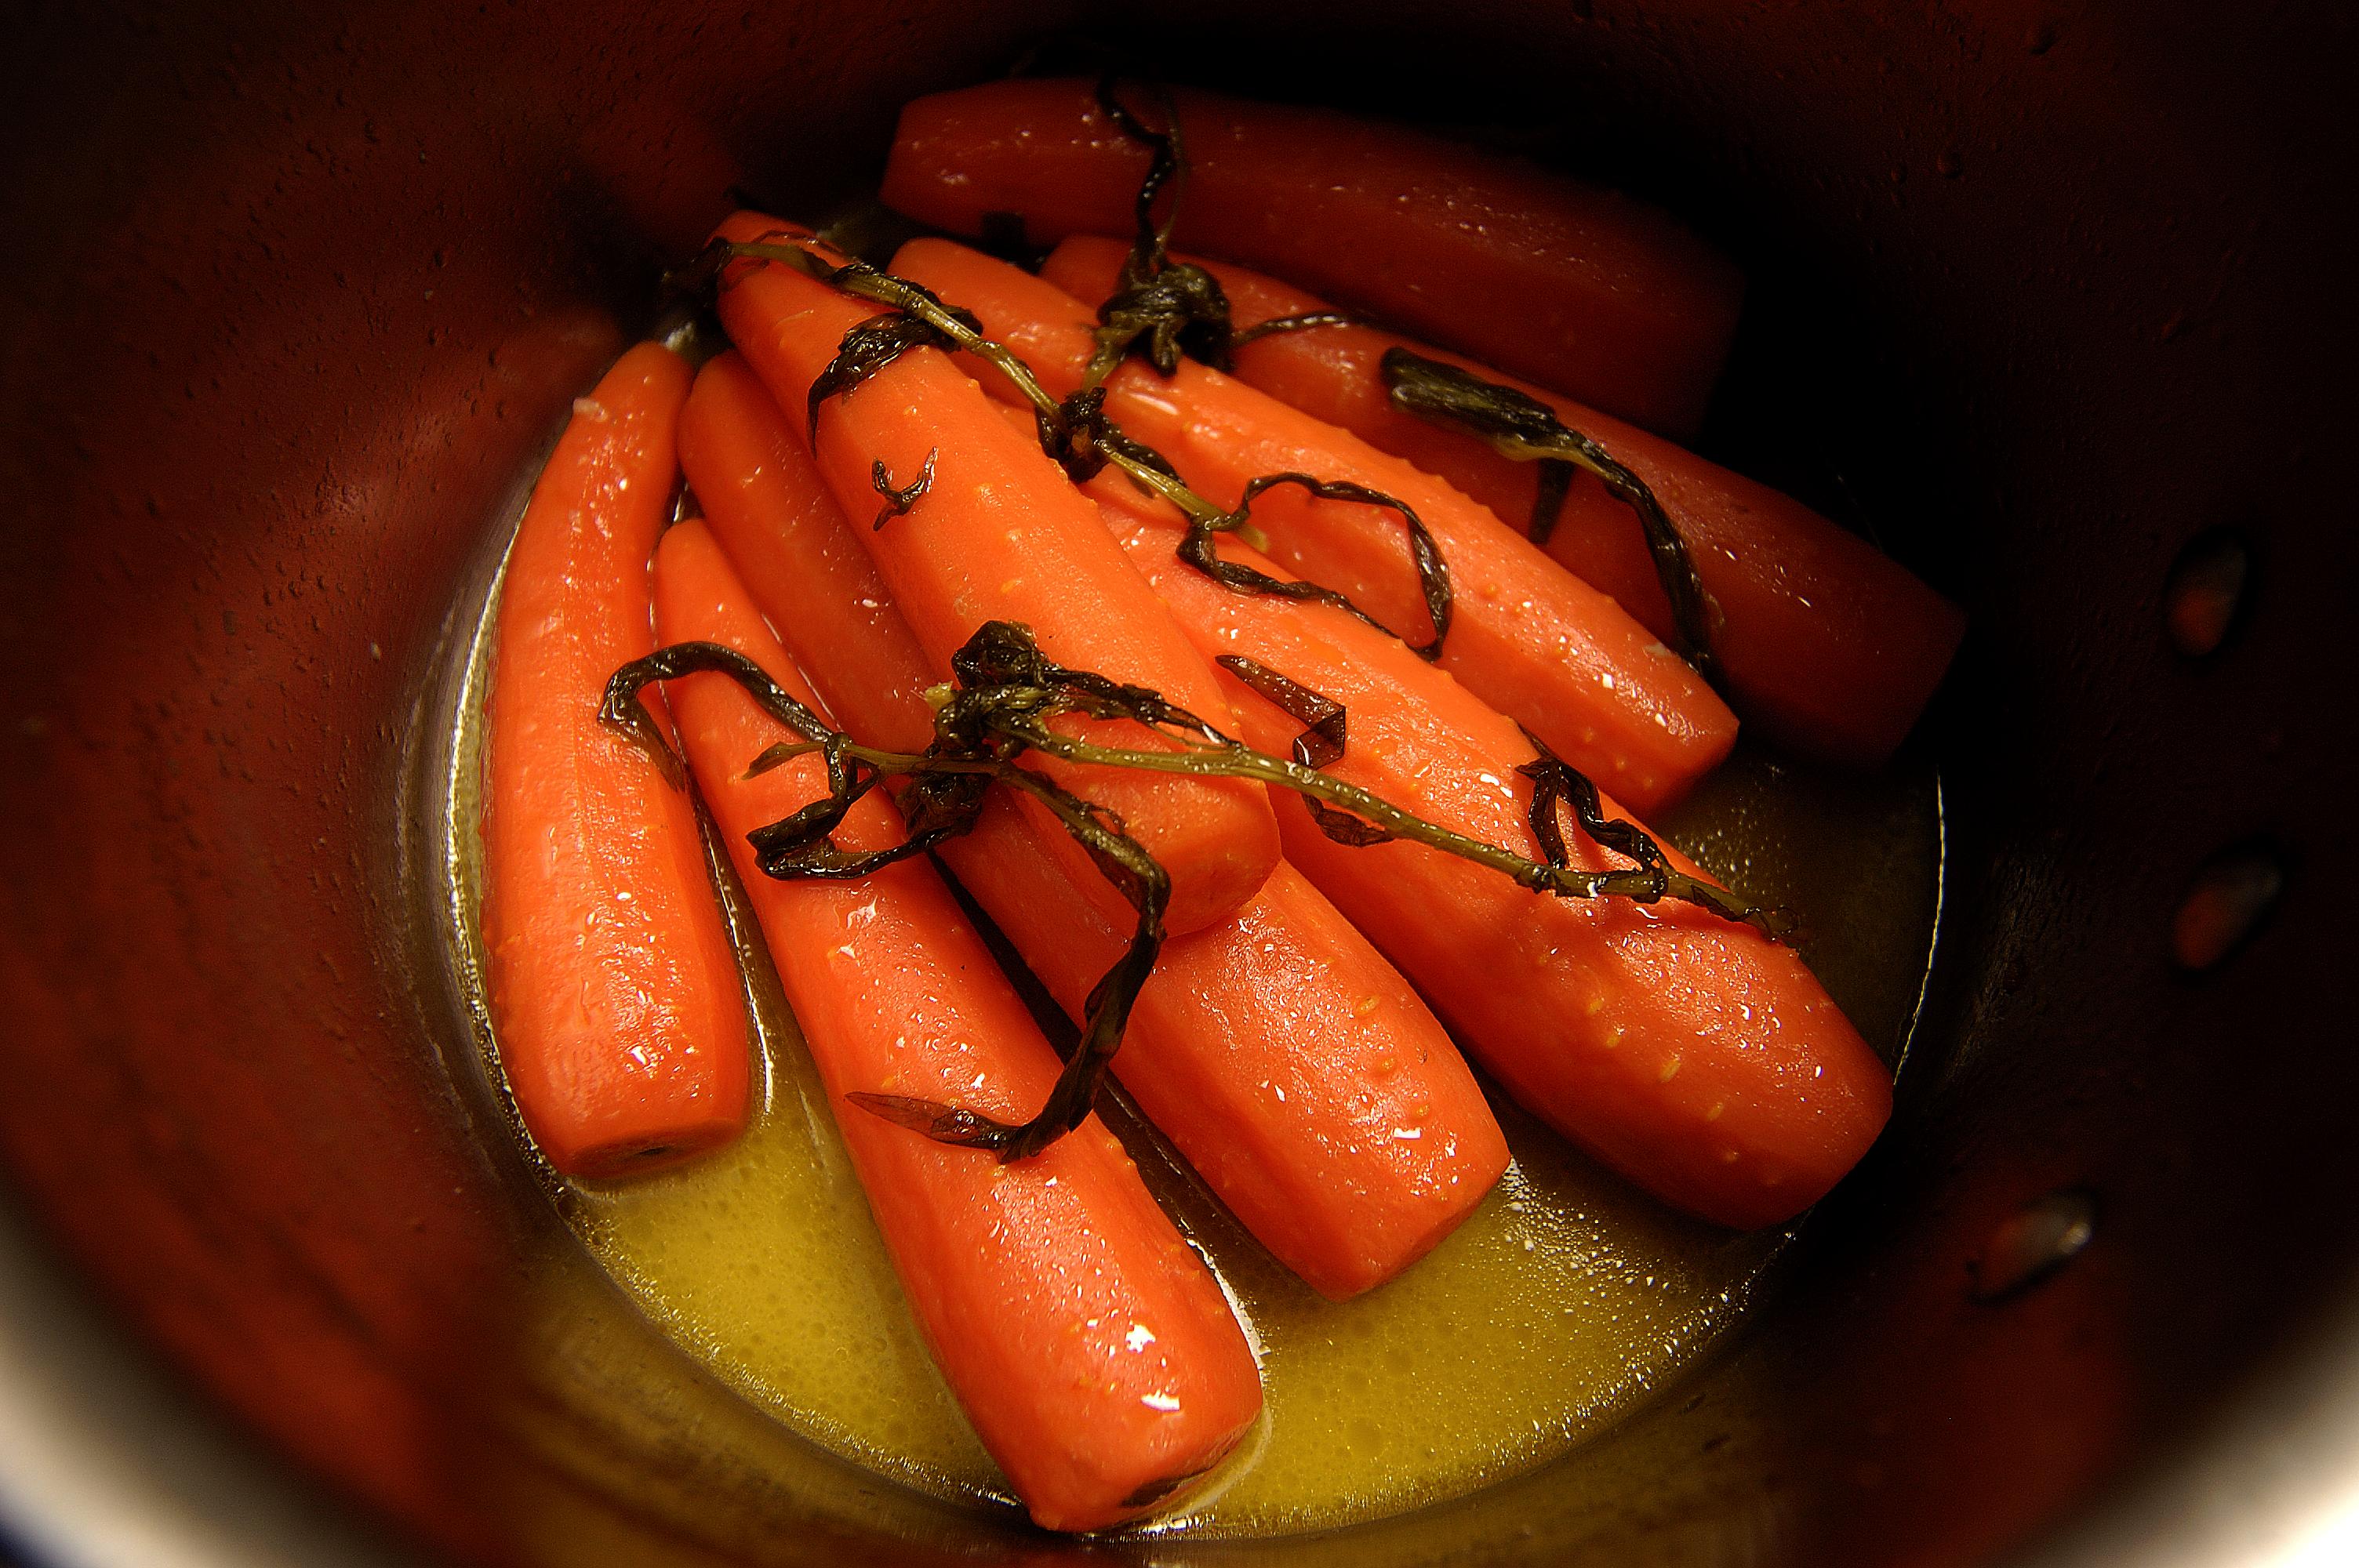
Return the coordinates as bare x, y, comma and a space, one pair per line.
1832, 646
1006, 704
1534, 641
1290, 1063
1689, 1051
1090, 1345
1012, 700
997, 533
1568, 284
615, 995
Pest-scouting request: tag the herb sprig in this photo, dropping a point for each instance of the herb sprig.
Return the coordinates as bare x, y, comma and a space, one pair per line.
1164, 309
1160, 307
1522, 428
1075, 431
1008, 696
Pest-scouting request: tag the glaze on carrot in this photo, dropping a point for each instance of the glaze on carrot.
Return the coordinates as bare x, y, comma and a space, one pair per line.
1829, 645
999, 535
1090, 1345
1290, 1063
613, 992
766, 502
1574, 286
1693, 1055
1292, 1066
1533, 640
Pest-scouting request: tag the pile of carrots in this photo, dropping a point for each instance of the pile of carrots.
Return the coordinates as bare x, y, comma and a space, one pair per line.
1300, 1039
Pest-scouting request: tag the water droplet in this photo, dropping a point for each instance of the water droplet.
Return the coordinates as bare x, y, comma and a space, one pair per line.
2033, 1243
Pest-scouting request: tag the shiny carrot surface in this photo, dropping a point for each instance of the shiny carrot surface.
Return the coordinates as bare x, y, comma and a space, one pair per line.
614, 993
1574, 286
1828, 645
1693, 1055
1297, 1072
999, 535
1533, 640
1286, 1059
766, 502
1090, 1345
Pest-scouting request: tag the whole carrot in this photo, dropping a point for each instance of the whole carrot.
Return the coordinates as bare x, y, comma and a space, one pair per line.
1828, 645
1090, 1345
1693, 1055
1575, 287
1289, 1061
1533, 640
614, 994
995, 533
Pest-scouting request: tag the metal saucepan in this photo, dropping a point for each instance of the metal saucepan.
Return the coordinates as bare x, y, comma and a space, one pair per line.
2060, 288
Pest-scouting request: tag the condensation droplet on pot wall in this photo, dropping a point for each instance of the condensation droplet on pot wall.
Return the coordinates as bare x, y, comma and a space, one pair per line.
2032, 1243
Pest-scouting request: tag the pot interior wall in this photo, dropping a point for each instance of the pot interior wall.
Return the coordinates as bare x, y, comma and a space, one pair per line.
2042, 291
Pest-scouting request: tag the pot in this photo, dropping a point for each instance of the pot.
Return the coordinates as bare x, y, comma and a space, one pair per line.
2054, 295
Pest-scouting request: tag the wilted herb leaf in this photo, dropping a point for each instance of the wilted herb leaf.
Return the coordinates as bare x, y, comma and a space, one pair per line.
1524, 429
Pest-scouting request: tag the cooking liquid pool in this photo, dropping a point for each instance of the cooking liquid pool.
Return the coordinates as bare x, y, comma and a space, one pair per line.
1561, 1303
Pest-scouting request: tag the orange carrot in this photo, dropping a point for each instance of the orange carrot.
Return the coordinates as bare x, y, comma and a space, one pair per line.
1577, 287
615, 995
1289, 1061
1089, 1344
1533, 640
998, 535
1830, 645
1693, 1055
787, 539
1296, 1070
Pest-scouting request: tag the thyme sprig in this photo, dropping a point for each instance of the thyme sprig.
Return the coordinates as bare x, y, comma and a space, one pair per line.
1075, 431
1161, 308
941, 793
1522, 428
1007, 700
1170, 308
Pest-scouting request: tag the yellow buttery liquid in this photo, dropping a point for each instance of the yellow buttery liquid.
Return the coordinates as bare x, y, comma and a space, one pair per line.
1563, 1302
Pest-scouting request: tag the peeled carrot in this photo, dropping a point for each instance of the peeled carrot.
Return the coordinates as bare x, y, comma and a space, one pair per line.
1090, 1345
1530, 638
1299, 1075
1576, 286
1693, 1055
1286, 1059
1828, 645
772, 513
614, 994
999, 535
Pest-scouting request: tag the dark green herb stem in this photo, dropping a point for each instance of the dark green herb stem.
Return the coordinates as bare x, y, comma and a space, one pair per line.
1008, 696
942, 794
1076, 431
1525, 430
